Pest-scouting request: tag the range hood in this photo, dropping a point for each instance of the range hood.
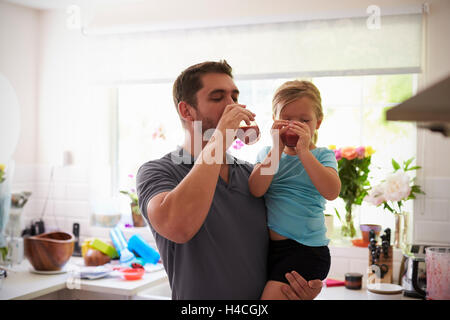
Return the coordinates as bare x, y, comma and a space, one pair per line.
430, 108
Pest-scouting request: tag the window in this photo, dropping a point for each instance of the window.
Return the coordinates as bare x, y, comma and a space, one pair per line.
353, 106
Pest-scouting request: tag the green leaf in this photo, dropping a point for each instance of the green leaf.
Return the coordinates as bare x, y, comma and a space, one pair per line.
395, 165
337, 214
414, 168
407, 163
4, 252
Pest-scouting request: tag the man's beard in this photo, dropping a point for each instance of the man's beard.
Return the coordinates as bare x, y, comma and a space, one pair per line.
208, 126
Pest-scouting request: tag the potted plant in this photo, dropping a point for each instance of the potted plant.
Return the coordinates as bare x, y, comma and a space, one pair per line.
392, 193
353, 169
138, 219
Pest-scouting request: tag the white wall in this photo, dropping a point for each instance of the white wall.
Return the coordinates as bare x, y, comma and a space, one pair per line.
432, 213
69, 115
19, 46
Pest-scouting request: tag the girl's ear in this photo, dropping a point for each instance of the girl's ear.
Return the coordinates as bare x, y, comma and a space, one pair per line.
319, 122
185, 110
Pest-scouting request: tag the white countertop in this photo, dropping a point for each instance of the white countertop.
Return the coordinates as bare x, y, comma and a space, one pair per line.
23, 284
342, 293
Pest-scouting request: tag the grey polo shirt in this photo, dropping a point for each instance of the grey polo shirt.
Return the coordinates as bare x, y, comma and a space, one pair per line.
227, 258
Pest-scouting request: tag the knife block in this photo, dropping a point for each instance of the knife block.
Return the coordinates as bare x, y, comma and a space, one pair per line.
375, 277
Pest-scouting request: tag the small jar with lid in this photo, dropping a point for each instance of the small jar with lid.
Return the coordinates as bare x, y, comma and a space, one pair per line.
353, 280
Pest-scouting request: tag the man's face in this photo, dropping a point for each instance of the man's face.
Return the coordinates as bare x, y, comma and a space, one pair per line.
218, 91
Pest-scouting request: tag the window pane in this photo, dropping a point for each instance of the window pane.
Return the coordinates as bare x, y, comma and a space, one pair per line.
354, 109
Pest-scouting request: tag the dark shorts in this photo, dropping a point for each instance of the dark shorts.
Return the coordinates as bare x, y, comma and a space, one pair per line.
289, 255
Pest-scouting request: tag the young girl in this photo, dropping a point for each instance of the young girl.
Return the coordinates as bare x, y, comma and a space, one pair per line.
295, 194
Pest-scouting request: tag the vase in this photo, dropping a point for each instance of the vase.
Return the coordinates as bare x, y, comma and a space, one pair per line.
348, 227
138, 219
401, 234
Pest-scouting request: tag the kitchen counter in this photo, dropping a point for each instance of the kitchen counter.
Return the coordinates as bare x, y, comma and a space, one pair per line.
22, 284
342, 293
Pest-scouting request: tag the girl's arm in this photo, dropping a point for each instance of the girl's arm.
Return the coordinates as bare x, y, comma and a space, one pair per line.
325, 179
262, 174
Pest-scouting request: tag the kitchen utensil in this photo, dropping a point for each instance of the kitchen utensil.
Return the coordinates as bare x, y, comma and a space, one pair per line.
437, 261
104, 247
132, 273
143, 249
413, 271
60, 271
15, 250
76, 233
121, 245
384, 291
380, 266
49, 251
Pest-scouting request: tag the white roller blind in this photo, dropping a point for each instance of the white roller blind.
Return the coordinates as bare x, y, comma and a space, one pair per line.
306, 48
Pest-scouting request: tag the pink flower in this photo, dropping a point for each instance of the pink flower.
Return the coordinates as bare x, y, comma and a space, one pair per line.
348, 153
338, 154
131, 176
360, 152
376, 195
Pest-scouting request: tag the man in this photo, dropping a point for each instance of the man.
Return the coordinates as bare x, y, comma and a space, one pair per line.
211, 232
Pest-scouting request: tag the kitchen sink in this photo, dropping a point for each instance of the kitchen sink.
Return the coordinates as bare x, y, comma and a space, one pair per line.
159, 292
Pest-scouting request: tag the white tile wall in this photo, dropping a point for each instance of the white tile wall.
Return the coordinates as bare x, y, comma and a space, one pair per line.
67, 192
432, 215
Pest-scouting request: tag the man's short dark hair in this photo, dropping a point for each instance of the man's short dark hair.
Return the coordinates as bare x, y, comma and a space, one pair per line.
189, 82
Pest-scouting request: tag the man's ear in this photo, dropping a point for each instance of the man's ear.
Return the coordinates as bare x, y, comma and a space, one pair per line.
185, 110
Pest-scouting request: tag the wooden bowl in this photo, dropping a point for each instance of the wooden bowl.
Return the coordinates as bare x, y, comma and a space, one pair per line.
49, 251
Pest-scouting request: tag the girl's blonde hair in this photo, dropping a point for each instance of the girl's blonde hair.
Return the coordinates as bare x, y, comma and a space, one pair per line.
294, 90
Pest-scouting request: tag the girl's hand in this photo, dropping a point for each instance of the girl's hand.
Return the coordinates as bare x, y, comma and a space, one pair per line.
282, 127
304, 133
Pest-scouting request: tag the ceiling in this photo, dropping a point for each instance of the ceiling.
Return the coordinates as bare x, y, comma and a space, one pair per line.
63, 4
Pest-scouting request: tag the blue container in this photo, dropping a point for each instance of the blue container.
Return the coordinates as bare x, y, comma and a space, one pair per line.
142, 248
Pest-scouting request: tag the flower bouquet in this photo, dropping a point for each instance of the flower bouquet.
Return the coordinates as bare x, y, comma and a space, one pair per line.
393, 193
353, 169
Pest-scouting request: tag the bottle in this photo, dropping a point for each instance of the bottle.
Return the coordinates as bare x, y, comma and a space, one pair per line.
143, 249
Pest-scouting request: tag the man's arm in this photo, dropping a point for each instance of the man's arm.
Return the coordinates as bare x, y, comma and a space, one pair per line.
178, 214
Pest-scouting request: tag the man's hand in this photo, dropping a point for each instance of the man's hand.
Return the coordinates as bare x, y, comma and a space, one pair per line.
232, 117
299, 288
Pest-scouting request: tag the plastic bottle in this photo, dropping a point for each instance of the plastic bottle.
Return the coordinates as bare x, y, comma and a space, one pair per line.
143, 249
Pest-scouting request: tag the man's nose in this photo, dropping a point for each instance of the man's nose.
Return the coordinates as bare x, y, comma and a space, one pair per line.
229, 100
